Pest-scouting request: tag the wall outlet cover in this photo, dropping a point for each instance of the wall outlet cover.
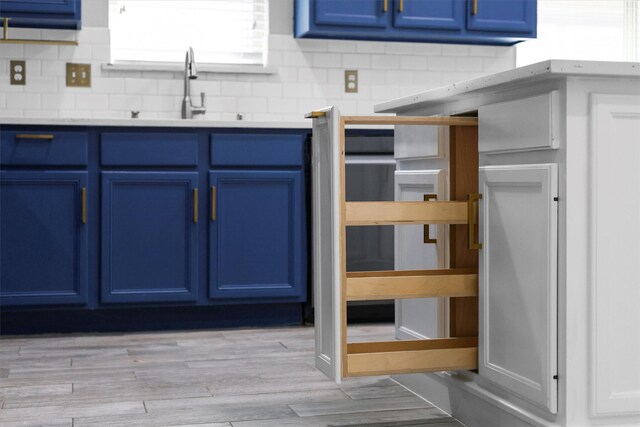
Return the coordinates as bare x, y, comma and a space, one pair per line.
78, 75
351, 81
18, 72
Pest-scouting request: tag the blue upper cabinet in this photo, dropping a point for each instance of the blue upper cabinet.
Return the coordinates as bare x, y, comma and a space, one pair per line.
149, 236
43, 224
497, 22
510, 16
257, 235
42, 13
365, 13
432, 14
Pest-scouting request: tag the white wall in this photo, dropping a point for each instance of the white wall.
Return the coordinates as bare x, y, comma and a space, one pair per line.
308, 74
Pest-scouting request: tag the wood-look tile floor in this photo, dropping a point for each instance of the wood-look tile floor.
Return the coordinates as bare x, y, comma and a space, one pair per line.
239, 378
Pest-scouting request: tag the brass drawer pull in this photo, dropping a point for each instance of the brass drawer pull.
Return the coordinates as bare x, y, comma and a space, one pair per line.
195, 205
83, 214
401, 6
43, 136
474, 10
427, 238
471, 204
213, 202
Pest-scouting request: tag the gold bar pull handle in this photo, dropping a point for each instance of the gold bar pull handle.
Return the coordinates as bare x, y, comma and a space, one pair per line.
213, 203
471, 204
401, 6
195, 205
427, 238
474, 7
83, 214
385, 6
47, 137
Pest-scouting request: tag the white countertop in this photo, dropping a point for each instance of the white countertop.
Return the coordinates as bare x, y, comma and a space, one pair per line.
197, 123
542, 70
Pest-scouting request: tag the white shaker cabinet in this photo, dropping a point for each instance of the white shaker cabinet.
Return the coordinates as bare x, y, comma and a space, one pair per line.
559, 225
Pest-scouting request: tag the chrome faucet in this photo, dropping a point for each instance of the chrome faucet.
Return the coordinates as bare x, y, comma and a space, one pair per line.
190, 73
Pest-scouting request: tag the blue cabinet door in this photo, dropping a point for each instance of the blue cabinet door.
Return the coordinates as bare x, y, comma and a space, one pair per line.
257, 235
359, 13
149, 237
431, 14
510, 16
43, 238
42, 13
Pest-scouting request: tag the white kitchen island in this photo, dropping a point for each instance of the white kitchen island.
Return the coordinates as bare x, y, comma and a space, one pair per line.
559, 223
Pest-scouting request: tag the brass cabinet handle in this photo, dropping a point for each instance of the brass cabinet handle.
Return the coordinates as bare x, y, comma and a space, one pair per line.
83, 214
427, 238
195, 205
47, 137
213, 203
474, 10
401, 6
385, 6
473, 198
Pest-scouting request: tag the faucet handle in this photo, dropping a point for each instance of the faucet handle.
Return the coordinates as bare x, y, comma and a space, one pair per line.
202, 98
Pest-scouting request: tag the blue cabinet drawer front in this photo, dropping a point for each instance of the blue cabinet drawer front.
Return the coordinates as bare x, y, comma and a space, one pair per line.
253, 149
43, 238
35, 147
149, 149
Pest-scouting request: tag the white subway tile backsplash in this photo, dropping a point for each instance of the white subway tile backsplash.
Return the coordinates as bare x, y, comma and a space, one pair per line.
312, 45
75, 53
107, 85
469, 64
39, 51
370, 47
398, 48
326, 60
413, 62
93, 35
23, 100
356, 60
40, 113
313, 75
91, 101
427, 49
52, 68
441, 63
3, 100
252, 105
101, 52
455, 50
222, 104
237, 89
267, 89
158, 103
342, 46
11, 112
385, 62
141, 86
41, 85
58, 101
125, 102
12, 51
282, 105
75, 114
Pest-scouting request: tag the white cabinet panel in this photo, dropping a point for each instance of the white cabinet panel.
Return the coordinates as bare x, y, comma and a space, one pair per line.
518, 280
523, 124
419, 318
326, 247
615, 255
419, 142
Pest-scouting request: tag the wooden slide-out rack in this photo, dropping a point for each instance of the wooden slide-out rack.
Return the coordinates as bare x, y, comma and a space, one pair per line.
459, 283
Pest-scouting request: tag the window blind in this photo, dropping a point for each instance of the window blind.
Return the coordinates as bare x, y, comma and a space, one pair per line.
220, 31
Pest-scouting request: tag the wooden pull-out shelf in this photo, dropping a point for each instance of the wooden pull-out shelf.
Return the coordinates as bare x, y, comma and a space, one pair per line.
403, 213
382, 285
402, 357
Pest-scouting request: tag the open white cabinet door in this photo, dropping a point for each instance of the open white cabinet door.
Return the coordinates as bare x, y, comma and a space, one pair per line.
326, 241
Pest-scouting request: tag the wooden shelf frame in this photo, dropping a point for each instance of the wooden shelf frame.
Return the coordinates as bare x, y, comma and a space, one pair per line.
459, 283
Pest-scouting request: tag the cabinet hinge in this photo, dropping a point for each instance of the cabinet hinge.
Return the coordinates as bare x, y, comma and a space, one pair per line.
555, 199
555, 377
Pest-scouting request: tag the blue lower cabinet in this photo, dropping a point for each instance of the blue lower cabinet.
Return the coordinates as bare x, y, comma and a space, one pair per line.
149, 237
43, 238
257, 244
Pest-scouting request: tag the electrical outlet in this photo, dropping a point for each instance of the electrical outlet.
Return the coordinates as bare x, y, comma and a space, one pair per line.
78, 75
18, 71
351, 81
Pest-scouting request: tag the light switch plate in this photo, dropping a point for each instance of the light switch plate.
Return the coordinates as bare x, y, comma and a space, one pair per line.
18, 72
351, 81
78, 75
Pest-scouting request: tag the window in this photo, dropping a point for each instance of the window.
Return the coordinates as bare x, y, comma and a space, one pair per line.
603, 30
220, 31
